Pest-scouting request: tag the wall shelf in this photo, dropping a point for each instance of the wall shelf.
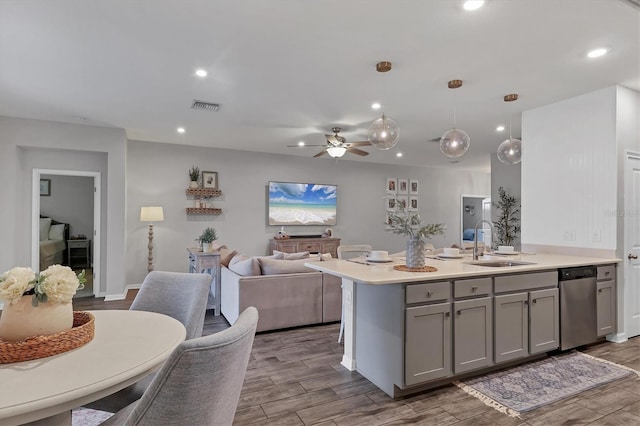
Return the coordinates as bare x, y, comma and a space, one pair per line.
203, 194
203, 210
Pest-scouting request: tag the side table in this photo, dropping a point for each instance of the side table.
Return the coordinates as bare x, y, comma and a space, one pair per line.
208, 263
79, 253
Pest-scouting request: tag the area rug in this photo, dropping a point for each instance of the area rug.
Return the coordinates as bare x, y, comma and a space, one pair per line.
527, 387
88, 417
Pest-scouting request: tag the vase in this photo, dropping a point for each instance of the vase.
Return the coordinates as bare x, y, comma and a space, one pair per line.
415, 253
22, 320
193, 184
207, 247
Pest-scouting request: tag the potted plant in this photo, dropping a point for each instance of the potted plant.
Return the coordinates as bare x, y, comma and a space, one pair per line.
194, 175
402, 222
207, 237
507, 221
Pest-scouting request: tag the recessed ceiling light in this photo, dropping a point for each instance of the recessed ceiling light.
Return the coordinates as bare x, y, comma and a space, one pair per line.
181, 130
473, 4
201, 73
398, 154
376, 105
301, 143
596, 53
500, 128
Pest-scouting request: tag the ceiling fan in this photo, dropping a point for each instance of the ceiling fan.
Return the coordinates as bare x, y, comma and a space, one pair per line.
337, 145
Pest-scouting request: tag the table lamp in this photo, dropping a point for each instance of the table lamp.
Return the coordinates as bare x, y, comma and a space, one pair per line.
151, 214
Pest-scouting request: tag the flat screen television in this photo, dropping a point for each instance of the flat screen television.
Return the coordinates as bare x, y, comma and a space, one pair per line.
302, 203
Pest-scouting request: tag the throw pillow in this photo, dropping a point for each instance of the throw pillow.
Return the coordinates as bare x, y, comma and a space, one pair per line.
45, 224
244, 265
293, 256
277, 266
226, 255
217, 246
56, 232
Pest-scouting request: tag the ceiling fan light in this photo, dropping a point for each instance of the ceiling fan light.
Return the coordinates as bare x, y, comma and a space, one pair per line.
336, 151
454, 143
510, 151
383, 133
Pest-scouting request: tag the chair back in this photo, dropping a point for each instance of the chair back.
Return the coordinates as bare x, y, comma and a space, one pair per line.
200, 382
349, 251
179, 295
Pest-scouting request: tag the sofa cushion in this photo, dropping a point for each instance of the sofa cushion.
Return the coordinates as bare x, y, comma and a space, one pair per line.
277, 266
217, 246
293, 256
244, 265
226, 255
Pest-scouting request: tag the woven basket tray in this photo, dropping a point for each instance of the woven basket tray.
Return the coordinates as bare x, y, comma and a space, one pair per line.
405, 268
44, 346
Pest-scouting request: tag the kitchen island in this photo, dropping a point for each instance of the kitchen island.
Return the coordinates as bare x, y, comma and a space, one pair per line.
406, 331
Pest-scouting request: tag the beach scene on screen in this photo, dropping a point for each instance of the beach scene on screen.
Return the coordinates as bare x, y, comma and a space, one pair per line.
302, 204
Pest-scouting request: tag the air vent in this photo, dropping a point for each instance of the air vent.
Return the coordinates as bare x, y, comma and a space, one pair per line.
205, 106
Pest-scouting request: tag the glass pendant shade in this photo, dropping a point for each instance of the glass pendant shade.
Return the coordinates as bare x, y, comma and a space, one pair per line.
510, 151
384, 133
454, 143
336, 151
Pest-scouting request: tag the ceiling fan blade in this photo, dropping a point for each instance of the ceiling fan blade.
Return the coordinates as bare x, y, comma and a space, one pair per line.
320, 154
301, 146
333, 140
434, 140
358, 143
357, 151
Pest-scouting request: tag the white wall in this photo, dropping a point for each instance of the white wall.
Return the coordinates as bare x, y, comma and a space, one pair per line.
157, 175
569, 172
71, 201
29, 144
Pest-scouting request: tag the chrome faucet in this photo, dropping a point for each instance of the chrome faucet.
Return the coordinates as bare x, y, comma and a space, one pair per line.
475, 236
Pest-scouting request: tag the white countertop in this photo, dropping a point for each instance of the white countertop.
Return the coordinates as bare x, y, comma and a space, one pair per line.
383, 273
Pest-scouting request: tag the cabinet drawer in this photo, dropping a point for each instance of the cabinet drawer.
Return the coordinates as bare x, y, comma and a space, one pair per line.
508, 283
310, 247
606, 272
428, 292
474, 287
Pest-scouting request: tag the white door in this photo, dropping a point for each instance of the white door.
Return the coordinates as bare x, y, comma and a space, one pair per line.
631, 255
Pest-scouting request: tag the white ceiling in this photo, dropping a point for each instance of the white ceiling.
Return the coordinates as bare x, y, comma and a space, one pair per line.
289, 70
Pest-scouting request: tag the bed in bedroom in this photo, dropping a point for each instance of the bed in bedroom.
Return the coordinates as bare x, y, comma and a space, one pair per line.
53, 242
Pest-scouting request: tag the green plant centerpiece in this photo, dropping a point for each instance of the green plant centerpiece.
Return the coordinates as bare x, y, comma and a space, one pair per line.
403, 222
507, 222
207, 237
194, 175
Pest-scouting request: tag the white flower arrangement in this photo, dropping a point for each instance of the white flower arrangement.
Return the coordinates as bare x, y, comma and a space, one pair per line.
55, 284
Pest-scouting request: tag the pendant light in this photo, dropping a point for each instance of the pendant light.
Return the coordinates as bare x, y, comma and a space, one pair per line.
454, 142
383, 133
510, 151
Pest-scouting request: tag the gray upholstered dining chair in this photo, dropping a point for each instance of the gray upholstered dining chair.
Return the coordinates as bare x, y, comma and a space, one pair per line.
180, 295
344, 252
200, 382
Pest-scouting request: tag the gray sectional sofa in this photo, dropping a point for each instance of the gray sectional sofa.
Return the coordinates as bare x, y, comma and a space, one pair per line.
285, 292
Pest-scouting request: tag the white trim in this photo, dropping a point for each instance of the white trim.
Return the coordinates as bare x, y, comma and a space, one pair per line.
111, 297
35, 218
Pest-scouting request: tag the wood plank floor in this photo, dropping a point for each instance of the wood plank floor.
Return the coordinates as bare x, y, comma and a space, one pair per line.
294, 377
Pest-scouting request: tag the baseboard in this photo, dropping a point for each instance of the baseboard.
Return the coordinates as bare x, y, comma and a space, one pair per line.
111, 297
617, 338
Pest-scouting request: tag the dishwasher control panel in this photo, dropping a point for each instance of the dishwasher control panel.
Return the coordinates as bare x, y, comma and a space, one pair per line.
567, 274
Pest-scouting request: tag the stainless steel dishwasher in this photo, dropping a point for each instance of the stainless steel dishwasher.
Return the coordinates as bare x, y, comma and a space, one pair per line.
578, 315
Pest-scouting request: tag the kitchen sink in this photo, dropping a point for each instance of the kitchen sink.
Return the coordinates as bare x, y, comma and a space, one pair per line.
498, 263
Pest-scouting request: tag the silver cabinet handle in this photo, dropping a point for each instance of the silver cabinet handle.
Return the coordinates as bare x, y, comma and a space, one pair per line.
458, 313
473, 289
599, 290
446, 314
526, 303
535, 301
429, 294
632, 256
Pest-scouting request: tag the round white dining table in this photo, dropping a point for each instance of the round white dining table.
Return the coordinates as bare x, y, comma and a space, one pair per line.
127, 346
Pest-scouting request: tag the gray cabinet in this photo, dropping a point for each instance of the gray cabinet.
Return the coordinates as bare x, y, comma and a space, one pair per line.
544, 324
606, 300
427, 343
473, 334
511, 326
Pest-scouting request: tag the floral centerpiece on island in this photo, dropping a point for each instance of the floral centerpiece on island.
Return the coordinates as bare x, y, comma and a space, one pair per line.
403, 222
37, 303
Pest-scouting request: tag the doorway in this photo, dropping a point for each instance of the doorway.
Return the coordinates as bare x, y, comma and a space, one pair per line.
630, 291
473, 209
53, 193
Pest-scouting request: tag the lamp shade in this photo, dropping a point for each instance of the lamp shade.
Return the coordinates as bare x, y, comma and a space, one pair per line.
336, 151
151, 214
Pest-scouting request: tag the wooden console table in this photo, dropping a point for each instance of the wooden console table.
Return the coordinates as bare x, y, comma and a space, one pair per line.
208, 263
312, 245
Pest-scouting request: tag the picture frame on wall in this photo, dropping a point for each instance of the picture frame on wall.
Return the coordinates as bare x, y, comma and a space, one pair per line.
414, 186
209, 180
392, 186
414, 205
45, 187
403, 186
387, 221
391, 204
403, 202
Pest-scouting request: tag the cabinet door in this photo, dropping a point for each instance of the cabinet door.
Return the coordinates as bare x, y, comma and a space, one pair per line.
511, 332
472, 334
606, 307
544, 324
427, 352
